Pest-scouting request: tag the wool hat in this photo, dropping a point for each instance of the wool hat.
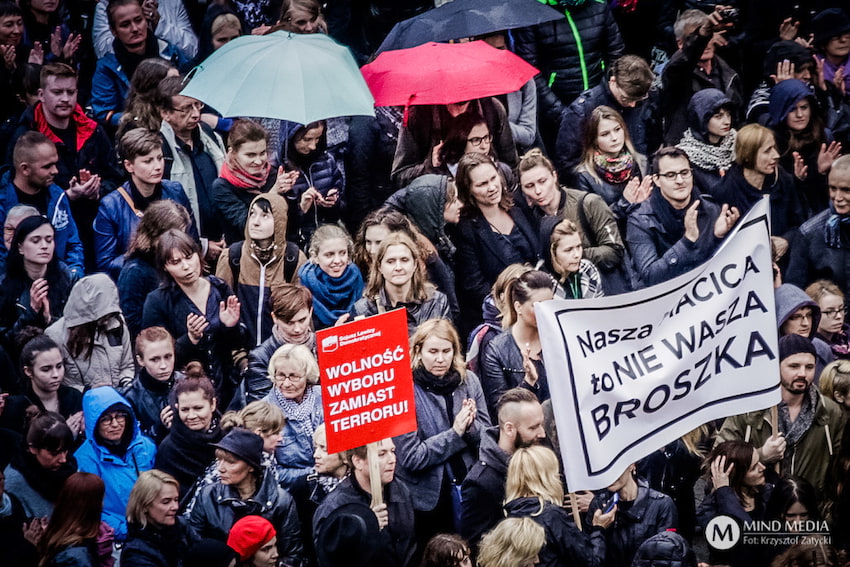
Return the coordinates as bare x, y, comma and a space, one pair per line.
244, 444
829, 24
790, 345
249, 535
209, 553
348, 537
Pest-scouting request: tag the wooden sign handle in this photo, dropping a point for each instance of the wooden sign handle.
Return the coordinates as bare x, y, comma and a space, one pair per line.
375, 475
774, 426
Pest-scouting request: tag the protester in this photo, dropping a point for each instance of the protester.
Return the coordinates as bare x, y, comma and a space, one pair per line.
254, 539
245, 489
211, 335
666, 548
95, 342
831, 328
797, 313
156, 377
292, 317
167, 19
115, 450
140, 110
451, 415
194, 424
262, 261
829, 29
156, 535
710, 138
294, 375
520, 424
514, 542
446, 550
514, 358
533, 490
75, 534
835, 383
577, 277
330, 275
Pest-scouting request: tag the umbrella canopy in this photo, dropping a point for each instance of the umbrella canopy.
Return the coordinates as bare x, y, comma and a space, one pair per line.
467, 18
301, 78
443, 73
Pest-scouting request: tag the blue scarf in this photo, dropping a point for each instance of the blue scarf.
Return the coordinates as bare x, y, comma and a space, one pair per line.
332, 297
833, 227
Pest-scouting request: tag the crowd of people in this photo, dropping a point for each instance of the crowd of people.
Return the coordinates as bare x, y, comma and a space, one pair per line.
165, 270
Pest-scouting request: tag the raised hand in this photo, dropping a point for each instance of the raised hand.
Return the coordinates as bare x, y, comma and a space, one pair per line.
228, 311
726, 220
827, 155
801, 170
691, 226
195, 327
720, 472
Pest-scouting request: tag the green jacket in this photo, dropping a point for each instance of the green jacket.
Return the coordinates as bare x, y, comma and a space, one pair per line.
811, 455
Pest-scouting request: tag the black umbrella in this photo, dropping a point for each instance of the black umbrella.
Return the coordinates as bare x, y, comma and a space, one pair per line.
467, 18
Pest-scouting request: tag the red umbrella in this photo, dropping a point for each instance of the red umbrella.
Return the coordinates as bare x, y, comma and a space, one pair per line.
444, 73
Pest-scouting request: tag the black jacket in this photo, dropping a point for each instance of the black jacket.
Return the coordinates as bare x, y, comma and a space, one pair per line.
649, 514
148, 397
157, 547
219, 506
568, 64
185, 454
813, 259
483, 489
502, 369
565, 544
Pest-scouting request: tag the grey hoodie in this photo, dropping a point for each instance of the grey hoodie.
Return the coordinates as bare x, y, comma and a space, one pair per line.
790, 298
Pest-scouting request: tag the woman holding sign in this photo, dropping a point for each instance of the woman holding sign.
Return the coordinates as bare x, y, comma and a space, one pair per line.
397, 278
294, 374
450, 415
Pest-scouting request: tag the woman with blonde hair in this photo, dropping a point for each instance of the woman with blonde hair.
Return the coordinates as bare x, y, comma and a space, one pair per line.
578, 277
398, 278
514, 542
294, 374
831, 326
534, 490
157, 536
835, 383
450, 415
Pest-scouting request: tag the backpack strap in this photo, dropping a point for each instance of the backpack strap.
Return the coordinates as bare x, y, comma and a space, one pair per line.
234, 259
123, 193
582, 219
290, 260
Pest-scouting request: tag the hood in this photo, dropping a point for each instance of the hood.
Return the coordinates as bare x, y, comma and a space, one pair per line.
523, 507
424, 201
667, 549
705, 104
289, 156
205, 46
280, 210
97, 400
782, 50
790, 298
783, 97
90, 299
495, 456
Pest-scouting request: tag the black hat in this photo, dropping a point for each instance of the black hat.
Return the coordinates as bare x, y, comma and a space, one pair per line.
348, 537
244, 444
829, 24
210, 553
792, 344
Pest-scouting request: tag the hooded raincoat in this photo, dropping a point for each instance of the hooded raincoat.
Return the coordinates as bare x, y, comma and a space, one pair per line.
257, 278
111, 360
790, 298
118, 471
709, 162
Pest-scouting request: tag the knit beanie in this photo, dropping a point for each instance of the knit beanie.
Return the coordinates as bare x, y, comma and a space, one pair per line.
790, 345
249, 535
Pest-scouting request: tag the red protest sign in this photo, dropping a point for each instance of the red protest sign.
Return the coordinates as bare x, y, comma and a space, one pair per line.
367, 385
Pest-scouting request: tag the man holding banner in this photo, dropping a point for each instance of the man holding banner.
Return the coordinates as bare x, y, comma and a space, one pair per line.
810, 425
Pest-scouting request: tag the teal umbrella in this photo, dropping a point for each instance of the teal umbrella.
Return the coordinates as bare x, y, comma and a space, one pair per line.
296, 77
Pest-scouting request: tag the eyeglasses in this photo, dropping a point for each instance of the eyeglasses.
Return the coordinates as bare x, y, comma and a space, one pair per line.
119, 418
294, 378
477, 141
800, 317
197, 105
837, 312
672, 175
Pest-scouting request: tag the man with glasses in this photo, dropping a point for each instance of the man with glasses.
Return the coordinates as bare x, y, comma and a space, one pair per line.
115, 450
822, 249
627, 91
193, 155
676, 229
798, 314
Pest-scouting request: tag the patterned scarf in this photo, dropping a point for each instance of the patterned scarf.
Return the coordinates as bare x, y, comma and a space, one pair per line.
708, 156
795, 430
300, 413
614, 170
238, 177
834, 224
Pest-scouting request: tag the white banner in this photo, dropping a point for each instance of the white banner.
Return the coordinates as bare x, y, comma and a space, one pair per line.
631, 373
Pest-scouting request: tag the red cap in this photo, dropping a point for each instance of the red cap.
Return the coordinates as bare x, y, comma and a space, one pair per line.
249, 535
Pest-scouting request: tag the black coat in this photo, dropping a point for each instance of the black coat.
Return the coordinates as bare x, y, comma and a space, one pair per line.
483, 489
649, 514
565, 544
157, 547
185, 454
554, 50
148, 397
14, 414
502, 369
813, 259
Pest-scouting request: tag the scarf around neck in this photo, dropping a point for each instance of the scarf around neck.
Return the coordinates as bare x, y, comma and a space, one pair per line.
441, 385
129, 61
614, 170
332, 297
834, 224
298, 413
709, 156
238, 177
672, 219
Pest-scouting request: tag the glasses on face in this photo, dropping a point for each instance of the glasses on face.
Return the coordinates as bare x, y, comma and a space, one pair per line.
293, 378
672, 175
800, 317
837, 312
197, 105
119, 418
478, 141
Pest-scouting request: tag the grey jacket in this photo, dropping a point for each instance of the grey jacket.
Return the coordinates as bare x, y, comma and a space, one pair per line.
423, 455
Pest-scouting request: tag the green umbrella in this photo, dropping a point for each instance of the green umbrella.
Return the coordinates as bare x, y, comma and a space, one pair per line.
301, 78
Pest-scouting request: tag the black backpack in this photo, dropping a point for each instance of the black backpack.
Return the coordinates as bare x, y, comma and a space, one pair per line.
290, 261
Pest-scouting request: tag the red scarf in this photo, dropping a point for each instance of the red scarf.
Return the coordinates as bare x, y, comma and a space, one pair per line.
238, 177
85, 125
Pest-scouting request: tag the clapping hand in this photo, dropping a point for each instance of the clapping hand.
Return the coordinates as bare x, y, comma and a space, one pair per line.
228, 311
195, 327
